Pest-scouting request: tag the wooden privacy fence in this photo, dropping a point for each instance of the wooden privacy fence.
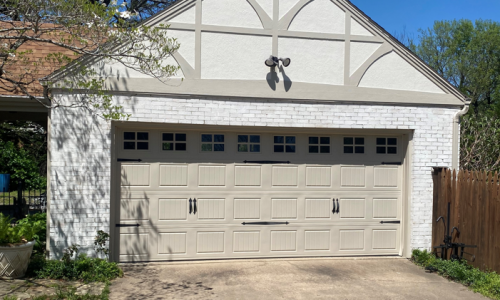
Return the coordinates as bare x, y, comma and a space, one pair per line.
475, 211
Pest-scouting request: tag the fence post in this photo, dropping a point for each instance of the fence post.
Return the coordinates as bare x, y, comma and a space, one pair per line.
20, 202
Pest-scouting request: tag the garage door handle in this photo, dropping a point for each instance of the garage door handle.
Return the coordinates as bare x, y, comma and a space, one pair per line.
338, 206
195, 206
190, 206
390, 222
333, 210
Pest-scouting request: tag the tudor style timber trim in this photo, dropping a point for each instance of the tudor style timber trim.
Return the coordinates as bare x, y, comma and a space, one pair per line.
278, 27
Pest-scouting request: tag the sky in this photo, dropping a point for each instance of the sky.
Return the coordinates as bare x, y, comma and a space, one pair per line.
410, 15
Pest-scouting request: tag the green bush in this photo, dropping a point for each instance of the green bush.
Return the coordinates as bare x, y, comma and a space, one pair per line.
27, 229
486, 283
81, 268
21, 165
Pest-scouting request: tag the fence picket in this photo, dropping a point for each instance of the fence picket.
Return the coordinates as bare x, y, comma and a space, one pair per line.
475, 209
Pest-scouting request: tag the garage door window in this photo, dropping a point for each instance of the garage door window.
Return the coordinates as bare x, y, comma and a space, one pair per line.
136, 140
249, 143
174, 142
284, 144
387, 146
354, 145
212, 142
319, 144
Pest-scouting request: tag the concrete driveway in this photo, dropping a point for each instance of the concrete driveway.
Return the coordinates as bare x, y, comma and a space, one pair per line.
325, 278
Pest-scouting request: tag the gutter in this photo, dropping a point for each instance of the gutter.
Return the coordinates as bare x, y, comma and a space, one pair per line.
48, 191
456, 135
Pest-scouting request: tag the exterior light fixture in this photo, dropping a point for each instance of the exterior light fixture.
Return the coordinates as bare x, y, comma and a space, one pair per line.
273, 61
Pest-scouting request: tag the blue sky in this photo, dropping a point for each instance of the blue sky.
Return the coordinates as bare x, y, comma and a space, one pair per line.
395, 15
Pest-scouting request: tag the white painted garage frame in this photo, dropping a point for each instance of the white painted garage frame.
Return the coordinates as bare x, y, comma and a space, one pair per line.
231, 227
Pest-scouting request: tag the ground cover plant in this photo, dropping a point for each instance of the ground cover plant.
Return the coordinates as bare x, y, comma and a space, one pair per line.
485, 283
75, 266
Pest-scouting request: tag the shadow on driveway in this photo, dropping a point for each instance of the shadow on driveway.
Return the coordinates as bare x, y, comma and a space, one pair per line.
324, 278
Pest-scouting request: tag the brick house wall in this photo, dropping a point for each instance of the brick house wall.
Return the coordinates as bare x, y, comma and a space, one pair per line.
81, 151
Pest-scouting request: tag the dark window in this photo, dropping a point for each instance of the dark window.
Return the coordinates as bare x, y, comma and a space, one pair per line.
174, 141
248, 143
318, 144
129, 145
279, 148
387, 146
142, 136
129, 136
142, 145
354, 145
131, 140
212, 142
288, 140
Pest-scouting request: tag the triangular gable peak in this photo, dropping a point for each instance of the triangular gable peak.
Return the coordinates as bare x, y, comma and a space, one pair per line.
337, 54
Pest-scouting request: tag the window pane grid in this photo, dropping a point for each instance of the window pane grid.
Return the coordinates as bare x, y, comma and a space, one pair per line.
133, 140
387, 146
174, 141
249, 143
354, 145
319, 144
284, 144
212, 143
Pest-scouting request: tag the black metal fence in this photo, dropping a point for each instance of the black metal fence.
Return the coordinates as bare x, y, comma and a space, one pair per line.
19, 201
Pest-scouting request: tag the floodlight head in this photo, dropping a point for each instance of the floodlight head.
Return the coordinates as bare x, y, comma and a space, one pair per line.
285, 61
272, 61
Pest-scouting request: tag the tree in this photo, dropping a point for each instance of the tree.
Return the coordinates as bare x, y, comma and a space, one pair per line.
467, 54
101, 30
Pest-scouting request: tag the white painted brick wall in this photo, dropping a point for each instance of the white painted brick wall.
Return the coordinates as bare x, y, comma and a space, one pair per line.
81, 155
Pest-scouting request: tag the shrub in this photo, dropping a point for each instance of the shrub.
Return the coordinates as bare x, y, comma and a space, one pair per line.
486, 283
83, 268
27, 229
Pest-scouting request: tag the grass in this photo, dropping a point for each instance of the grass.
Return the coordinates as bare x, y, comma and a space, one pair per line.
485, 283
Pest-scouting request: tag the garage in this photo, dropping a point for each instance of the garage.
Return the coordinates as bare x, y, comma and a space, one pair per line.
188, 193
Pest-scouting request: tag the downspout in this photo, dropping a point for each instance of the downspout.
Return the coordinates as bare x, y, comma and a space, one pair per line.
48, 190
456, 135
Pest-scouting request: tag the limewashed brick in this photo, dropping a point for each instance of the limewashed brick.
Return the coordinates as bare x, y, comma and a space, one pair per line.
81, 151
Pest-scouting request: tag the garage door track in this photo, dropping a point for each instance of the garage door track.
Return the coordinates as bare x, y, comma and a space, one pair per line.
321, 278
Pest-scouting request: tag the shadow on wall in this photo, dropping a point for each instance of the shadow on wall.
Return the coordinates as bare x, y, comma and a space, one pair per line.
80, 162
273, 79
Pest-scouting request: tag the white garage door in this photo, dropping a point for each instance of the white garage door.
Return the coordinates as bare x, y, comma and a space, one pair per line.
213, 195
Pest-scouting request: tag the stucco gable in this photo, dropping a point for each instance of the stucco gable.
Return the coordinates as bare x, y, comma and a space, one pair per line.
337, 54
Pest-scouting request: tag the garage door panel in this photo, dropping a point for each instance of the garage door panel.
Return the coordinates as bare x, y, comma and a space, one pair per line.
210, 242
247, 176
173, 175
262, 208
212, 175
284, 208
352, 208
211, 209
247, 209
351, 176
135, 175
317, 240
246, 241
172, 209
352, 240
318, 176
387, 177
318, 208
385, 208
285, 176
134, 209
385, 239
283, 240
172, 243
